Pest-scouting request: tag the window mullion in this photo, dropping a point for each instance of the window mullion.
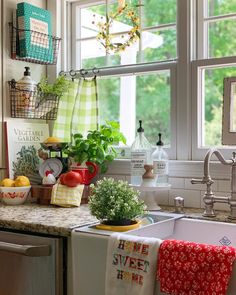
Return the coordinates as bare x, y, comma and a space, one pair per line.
201, 30
75, 31
183, 81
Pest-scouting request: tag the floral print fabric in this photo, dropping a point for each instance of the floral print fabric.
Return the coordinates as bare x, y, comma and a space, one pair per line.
187, 268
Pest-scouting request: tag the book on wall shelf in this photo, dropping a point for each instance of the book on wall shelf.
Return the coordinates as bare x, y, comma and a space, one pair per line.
23, 143
35, 32
15, 46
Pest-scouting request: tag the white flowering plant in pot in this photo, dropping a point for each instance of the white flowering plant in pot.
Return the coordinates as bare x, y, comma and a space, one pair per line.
114, 202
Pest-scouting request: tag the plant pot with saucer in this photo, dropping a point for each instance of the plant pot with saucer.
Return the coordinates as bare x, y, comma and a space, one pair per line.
116, 204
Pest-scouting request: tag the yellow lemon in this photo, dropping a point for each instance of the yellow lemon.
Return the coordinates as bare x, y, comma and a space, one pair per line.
52, 139
7, 182
22, 181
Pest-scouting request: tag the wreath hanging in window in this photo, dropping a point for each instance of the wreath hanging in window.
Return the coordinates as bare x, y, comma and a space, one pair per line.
106, 38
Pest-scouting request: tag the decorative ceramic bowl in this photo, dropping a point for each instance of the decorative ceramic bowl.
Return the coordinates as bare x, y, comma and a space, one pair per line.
14, 195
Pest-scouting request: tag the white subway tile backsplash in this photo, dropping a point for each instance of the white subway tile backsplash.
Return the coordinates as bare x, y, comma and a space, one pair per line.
180, 180
153, 200
191, 197
176, 182
189, 185
162, 197
224, 185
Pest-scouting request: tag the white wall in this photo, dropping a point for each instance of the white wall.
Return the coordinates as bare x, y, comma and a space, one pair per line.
180, 175
12, 69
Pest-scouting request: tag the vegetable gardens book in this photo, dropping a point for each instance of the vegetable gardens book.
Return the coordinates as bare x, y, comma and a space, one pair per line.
35, 32
23, 143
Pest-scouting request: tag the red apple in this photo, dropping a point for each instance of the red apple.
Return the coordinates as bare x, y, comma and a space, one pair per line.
72, 179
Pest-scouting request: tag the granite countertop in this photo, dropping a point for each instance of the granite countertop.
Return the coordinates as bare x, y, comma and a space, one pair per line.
50, 220
60, 221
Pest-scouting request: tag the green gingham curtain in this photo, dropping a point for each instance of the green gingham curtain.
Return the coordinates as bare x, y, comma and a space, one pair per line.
85, 114
78, 110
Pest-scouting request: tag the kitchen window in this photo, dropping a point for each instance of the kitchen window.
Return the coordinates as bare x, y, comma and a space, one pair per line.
172, 78
213, 61
144, 86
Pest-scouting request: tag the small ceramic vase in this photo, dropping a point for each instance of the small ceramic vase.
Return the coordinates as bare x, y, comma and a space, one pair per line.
148, 177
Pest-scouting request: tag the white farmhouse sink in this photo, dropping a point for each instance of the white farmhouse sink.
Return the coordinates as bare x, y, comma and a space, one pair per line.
89, 247
194, 230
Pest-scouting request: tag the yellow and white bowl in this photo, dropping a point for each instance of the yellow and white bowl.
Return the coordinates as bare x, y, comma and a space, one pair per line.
14, 195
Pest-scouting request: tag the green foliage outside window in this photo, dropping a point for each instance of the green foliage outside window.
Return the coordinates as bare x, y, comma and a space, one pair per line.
156, 115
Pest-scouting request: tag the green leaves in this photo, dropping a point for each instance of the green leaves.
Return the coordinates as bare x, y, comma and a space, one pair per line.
59, 87
115, 200
97, 146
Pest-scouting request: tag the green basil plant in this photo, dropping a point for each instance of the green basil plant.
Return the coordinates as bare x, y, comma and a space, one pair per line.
98, 146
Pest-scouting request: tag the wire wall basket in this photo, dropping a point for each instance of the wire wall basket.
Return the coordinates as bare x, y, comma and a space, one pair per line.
28, 102
33, 46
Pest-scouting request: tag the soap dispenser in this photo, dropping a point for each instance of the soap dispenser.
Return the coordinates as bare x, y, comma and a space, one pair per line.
140, 155
26, 95
160, 164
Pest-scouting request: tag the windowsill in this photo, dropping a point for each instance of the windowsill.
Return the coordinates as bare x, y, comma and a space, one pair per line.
186, 169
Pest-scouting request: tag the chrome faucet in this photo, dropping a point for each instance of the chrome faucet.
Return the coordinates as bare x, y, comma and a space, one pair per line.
209, 197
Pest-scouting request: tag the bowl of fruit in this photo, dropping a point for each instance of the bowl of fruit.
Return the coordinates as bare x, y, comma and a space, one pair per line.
14, 192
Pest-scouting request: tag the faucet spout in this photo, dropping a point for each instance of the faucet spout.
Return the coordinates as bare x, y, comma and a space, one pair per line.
208, 158
209, 197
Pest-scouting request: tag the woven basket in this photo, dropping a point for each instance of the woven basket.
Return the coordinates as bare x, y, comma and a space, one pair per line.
42, 194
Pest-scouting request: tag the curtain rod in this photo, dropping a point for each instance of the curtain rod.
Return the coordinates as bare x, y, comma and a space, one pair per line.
118, 70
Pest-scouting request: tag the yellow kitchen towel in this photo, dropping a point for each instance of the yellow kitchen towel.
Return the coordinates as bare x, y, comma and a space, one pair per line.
65, 196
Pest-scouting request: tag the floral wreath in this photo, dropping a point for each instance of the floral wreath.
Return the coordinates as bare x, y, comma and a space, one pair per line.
104, 36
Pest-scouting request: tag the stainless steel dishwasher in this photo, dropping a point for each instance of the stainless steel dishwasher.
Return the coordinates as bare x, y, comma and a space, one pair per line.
30, 264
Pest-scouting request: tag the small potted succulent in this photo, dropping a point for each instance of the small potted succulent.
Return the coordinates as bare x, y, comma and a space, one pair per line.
115, 202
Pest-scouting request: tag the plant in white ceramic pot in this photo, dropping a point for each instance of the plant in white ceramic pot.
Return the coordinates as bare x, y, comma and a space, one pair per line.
115, 202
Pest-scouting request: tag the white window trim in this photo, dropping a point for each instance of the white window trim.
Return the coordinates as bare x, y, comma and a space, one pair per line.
184, 110
67, 63
197, 92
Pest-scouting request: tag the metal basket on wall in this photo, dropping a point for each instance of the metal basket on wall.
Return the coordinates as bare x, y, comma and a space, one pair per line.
28, 102
43, 49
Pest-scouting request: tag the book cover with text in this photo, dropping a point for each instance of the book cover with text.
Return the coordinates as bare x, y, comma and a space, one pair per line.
35, 32
23, 142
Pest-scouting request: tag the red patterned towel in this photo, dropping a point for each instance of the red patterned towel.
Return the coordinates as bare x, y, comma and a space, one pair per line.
187, 268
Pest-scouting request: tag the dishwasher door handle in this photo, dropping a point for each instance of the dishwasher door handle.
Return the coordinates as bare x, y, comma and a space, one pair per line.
26, 250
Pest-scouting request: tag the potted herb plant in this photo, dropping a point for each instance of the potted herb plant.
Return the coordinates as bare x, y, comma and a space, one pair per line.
48, 96
115, 203
97, 146
56, 89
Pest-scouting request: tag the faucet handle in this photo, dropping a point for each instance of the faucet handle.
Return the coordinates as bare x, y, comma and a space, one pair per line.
198, 181
207, 181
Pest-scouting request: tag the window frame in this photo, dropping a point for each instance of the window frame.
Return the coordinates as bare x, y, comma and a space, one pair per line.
185, 93
145, 68
198, 152
77, 4
201, 61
